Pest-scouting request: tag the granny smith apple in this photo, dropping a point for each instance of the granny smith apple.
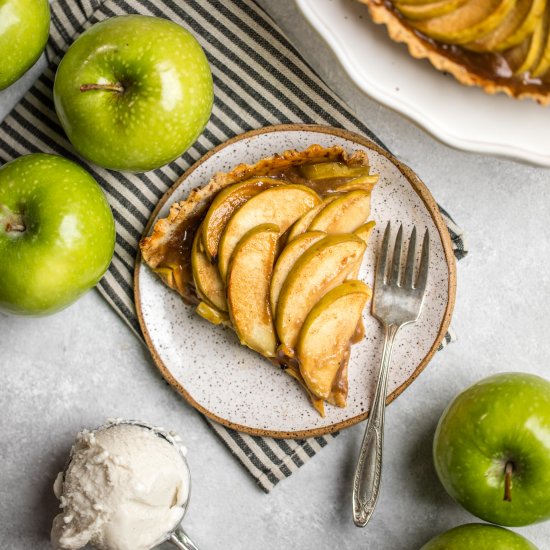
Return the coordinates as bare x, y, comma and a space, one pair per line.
57, 234
133, 92
492, 449
477, 536
24, 30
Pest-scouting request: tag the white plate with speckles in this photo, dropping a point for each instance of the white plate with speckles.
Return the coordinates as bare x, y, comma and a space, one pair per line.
461, 116
234, 385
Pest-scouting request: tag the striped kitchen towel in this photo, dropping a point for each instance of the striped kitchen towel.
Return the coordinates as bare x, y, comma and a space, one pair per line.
260, 79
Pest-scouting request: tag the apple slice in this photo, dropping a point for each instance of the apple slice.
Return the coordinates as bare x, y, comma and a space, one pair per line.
301, 225
426, 11
320, 268
468, 23
287, 259
211, 314
318, 404
516, 56
415, 2
543, 62
224, 206
248, 282
344, 215
536, 47
281, 205
206, 276
527, 26
364, 232
517, 27
326, 335
331, 170
363, 183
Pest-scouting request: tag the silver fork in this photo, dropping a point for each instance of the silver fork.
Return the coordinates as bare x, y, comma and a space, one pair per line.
396, 302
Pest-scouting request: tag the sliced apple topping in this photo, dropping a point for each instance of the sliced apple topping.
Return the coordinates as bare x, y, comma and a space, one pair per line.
317, 402
248, 282
301, 225
428, 10
533, 52
224, 206
288, 257
362, 183
206, 277
211, 314
543, 61
332, 170
344, 215
518, 26
326, 335
272, 259
281, 205
322, 267
468, 23
364, 232
414, 2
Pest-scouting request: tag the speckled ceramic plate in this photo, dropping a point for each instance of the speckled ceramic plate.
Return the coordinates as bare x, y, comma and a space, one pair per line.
238, 388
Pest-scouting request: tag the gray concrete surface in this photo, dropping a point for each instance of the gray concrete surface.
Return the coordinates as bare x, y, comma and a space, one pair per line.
74, 369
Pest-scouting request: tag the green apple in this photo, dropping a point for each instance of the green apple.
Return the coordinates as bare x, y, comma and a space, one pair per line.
133, 92
24, 30
57, 234
477, 536
492, 449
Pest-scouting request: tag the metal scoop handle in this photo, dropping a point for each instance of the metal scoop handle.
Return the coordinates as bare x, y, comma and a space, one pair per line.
180, 540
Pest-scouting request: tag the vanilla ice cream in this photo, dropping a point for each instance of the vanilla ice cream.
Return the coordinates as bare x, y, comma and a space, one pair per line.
125, 488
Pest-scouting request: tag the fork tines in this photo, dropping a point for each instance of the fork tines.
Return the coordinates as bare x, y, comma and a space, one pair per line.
398, 276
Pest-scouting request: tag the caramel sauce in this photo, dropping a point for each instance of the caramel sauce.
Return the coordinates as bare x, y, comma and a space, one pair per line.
323, 188
339, 390
177, 258
359, 333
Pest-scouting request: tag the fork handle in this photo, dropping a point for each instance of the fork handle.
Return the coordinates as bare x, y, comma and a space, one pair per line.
366, 482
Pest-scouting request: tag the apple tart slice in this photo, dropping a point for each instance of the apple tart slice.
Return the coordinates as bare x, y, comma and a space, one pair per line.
273, 251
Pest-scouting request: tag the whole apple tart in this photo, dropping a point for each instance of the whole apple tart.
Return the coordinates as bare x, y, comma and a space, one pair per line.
499, 45
273, 251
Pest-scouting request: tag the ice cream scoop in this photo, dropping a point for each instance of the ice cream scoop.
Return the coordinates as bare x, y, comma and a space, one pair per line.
126, 486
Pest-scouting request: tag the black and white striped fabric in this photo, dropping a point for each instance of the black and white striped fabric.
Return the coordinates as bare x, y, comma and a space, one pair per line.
260, 79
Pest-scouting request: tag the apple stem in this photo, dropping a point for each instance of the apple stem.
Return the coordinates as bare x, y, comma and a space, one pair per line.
508, 471
12, 227
12, 222
114, 87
